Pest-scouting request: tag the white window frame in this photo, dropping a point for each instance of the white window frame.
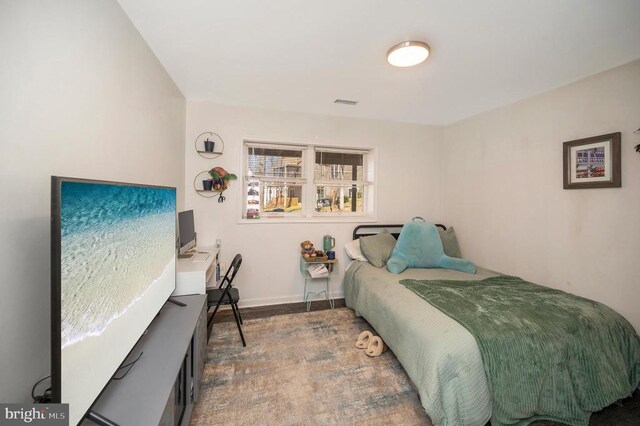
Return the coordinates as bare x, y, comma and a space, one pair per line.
366, 183
309, 185
284, 180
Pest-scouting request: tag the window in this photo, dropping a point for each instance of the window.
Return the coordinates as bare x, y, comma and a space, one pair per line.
274, 179
339, 180
300, 181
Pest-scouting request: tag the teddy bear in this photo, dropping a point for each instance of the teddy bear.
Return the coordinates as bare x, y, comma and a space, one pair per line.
307, 249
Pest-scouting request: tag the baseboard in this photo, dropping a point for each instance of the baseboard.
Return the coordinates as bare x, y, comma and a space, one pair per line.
251, 303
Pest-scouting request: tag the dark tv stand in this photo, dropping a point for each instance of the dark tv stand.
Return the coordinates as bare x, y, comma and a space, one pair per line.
164, 384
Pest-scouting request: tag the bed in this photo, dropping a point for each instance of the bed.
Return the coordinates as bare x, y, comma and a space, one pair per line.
441, 357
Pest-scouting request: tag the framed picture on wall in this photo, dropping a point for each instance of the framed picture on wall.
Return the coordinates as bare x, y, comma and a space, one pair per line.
592, 162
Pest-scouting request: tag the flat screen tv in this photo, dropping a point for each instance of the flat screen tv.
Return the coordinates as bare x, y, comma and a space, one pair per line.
187, 231
112, 268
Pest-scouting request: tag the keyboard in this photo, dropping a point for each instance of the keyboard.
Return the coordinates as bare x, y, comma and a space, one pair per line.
200, 257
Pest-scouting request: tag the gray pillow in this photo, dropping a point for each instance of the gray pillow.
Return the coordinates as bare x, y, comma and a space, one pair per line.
450, 242
378, 248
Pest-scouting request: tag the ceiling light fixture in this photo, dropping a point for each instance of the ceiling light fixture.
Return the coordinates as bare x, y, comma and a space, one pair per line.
408, 53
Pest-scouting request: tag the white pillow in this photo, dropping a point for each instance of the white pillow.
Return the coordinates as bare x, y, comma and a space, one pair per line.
353, 250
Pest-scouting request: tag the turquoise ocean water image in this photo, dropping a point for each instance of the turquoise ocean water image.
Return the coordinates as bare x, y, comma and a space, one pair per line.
118, 244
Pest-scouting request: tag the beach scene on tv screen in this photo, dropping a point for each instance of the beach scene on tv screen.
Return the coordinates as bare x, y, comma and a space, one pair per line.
118, 269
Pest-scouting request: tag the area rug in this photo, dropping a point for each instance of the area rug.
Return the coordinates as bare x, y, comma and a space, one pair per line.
302, 369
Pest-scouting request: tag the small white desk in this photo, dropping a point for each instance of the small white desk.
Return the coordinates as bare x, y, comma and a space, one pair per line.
195, 277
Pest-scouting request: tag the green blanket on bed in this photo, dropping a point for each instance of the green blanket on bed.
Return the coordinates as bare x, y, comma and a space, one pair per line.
547, 354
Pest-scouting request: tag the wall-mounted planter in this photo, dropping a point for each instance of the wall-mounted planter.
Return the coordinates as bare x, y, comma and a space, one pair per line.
209, 145
203, 185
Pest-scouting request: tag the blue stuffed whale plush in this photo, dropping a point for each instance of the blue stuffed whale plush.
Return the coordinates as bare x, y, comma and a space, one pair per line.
419, 246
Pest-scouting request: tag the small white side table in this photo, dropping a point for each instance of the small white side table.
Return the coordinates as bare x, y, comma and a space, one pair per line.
309, 280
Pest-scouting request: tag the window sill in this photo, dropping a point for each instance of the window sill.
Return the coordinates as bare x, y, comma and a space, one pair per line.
314, 219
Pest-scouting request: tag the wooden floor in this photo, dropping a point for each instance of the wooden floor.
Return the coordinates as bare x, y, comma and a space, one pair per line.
273, 310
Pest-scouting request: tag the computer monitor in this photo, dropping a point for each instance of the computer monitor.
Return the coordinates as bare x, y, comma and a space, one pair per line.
187, 231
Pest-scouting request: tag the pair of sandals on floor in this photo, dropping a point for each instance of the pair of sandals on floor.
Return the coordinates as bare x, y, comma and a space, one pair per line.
373, 345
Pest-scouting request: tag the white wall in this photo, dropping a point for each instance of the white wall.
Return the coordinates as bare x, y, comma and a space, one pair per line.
503, 191
409, 184
81, 95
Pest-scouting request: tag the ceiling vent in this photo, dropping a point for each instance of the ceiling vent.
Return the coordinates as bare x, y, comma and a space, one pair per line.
345, 102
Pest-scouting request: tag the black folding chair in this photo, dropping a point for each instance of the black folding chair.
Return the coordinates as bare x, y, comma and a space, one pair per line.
226, 294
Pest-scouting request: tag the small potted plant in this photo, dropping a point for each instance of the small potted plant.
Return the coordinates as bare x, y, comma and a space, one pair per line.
207, 184
209, 145
221, 179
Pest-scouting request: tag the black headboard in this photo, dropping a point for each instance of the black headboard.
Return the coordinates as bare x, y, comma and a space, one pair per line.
373, 229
